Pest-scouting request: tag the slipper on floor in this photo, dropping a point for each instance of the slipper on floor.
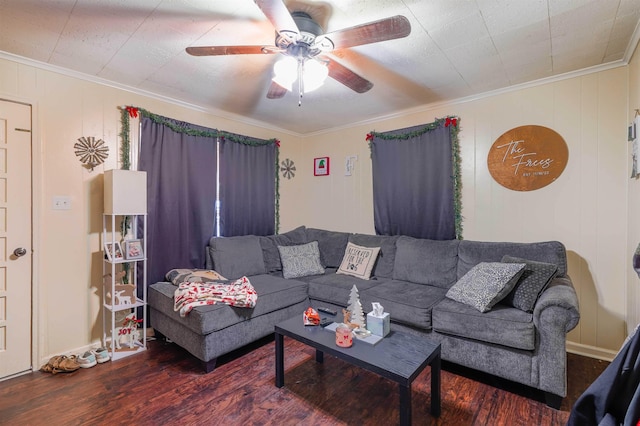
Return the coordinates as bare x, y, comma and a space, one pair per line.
61, 364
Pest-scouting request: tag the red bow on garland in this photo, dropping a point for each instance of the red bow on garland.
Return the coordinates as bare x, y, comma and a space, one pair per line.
133, 111
277, 143
451, 122
369, 137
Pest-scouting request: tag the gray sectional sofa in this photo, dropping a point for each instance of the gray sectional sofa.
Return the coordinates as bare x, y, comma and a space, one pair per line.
411, 278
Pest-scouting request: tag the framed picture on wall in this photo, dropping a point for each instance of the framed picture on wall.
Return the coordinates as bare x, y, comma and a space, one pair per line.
133, 249
321, 166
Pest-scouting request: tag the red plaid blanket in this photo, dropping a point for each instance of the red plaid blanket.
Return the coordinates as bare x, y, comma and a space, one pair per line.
239, 293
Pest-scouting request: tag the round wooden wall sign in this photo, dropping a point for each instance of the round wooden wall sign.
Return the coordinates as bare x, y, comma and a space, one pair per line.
527, 158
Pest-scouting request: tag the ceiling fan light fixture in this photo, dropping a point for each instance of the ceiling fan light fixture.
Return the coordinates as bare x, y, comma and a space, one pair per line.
314, 75
285, 72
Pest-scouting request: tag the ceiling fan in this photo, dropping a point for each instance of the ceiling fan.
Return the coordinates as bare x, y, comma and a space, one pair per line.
303, 42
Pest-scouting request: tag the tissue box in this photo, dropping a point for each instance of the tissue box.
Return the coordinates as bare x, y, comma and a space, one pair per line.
378, 325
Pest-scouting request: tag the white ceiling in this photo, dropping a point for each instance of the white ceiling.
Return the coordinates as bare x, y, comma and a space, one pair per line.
456, 49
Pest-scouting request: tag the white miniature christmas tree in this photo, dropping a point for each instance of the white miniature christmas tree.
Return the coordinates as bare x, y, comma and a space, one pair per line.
355, 308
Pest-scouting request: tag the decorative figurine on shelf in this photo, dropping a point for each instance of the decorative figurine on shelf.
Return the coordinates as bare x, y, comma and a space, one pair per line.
124, 294
128, 332
311, 317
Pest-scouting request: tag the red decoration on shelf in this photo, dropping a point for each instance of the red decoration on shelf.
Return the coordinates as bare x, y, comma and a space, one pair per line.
451, 122
133, 111
369, 137
278, 143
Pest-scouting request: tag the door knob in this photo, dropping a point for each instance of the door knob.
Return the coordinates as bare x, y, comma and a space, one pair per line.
20, 251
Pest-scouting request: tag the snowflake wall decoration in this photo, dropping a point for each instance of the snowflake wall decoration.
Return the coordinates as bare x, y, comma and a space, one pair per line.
92, 152
288, 169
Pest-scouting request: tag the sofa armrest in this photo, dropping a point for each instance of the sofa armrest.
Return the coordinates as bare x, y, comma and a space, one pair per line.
560, 294
555, 314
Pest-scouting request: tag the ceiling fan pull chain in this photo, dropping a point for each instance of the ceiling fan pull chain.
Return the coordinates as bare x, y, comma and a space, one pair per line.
300, 81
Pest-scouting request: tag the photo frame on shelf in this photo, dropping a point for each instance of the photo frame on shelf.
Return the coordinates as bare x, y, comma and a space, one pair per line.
113, 251
133, 249
321, 166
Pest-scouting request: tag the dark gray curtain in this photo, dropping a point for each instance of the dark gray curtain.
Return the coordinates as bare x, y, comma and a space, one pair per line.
181, 194
413, 183
247, 188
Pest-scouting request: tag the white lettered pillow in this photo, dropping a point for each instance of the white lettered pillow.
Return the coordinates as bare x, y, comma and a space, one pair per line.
358, 261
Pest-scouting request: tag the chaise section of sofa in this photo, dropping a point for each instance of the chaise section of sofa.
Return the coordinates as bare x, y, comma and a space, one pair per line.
210, 331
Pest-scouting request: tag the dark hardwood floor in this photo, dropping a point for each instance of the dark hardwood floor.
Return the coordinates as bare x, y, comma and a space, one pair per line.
166, 386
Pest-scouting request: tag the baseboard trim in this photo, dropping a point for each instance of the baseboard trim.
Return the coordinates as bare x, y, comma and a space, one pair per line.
591, 351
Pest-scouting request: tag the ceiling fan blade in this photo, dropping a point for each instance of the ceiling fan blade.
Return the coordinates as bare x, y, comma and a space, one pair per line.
231, 50
280, 17
276, 91
347, 77
373, 32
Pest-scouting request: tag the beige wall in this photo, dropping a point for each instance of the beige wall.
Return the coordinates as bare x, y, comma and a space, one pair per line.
586, 208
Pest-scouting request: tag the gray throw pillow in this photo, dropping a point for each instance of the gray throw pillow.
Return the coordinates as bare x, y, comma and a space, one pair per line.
179, 276
270, 245
301, 260
486, 284
234, 257
535, 278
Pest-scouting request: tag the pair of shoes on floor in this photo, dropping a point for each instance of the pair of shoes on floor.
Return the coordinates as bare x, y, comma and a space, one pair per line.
61, 364
93, 357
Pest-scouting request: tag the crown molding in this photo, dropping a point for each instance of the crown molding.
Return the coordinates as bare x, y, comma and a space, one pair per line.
102, 81
261, 124
484, 95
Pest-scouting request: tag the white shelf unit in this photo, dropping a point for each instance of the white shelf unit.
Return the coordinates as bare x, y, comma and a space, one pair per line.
137, 277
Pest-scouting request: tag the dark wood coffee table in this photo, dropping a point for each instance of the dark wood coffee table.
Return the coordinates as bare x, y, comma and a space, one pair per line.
398, 357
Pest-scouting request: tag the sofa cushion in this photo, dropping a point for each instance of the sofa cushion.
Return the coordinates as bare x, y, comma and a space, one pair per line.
270, 245
358, 261
486, 284
335, 288
274, 294
234, 257
535, 278
503, 325
331, 244
426, 261
406, 302
300, 260
177, 276
384, 265
470, 253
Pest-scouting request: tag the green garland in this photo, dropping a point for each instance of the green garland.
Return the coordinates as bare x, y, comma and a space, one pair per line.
131, 111
453, 123
125, 147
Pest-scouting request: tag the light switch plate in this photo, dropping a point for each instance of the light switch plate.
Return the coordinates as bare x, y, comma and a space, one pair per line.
61, 203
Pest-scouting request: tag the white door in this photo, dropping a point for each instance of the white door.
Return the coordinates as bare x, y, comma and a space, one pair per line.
15, 238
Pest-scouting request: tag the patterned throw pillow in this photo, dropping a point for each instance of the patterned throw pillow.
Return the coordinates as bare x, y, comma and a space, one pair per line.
177, 276
301, 260
535, 278
358, 261
486, 284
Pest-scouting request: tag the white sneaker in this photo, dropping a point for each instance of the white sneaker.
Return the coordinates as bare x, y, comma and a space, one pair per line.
87, 360
102, 355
